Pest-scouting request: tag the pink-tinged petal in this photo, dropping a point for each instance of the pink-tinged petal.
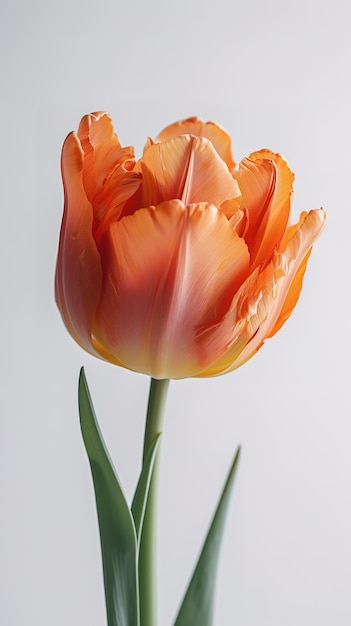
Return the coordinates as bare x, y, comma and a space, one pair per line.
78, 271
171, 269
268, 297
219, 138
186, 168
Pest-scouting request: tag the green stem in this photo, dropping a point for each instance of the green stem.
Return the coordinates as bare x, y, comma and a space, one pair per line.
148, 544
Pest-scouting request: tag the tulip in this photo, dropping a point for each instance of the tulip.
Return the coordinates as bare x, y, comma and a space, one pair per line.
182, 263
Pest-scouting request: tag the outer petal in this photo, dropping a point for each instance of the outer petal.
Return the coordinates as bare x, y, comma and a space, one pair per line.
78, 272
219, 138
171, 269
186, 168
268, 297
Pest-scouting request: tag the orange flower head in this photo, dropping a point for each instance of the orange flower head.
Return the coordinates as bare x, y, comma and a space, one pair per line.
182, 263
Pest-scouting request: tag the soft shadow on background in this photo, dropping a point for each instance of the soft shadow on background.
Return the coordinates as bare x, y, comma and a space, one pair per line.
274, 74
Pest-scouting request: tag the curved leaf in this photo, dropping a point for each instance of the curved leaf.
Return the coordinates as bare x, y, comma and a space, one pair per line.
117, 531
142, 489
198, 603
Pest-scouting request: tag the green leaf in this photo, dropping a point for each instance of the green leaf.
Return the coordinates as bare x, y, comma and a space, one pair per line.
142, 490
198, 604
117, 530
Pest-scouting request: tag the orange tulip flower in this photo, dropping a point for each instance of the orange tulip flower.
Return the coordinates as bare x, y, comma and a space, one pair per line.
182, 263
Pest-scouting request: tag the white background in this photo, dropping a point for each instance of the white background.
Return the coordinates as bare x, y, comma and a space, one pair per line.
275, 74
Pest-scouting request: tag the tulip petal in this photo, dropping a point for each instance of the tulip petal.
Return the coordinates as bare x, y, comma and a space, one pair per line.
78, 272
102, 150
265, 183
160, 287
108, 176
219, 138
278, 210
267, 298
256, 180
186, 168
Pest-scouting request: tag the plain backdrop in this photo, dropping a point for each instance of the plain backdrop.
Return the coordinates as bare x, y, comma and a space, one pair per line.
275, 74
